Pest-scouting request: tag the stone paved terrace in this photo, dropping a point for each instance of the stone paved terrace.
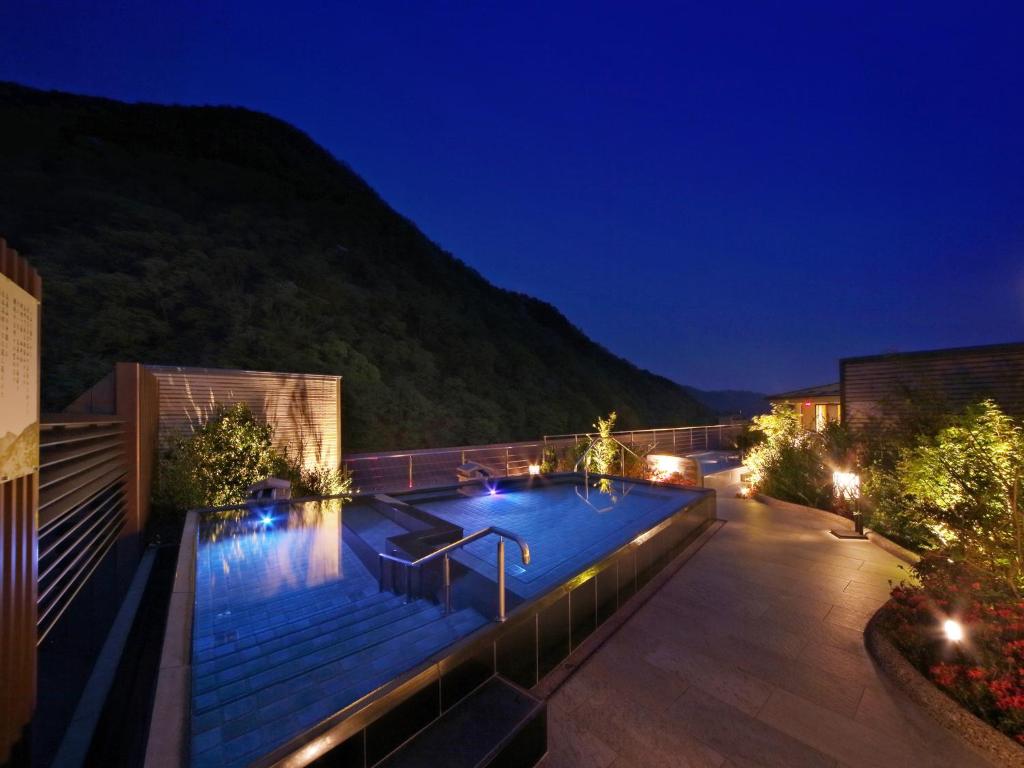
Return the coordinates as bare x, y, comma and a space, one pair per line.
751, 655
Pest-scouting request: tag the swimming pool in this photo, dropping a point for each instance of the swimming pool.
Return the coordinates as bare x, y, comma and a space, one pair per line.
290, 624
568, 525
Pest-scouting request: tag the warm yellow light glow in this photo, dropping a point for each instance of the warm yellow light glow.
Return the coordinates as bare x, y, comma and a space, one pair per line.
534, 469
846, 484
664, 466
954, 630
744, 490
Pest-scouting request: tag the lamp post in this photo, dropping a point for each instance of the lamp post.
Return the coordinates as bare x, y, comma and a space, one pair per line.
846, 486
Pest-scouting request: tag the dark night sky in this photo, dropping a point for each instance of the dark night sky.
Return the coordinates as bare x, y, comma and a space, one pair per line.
733, 197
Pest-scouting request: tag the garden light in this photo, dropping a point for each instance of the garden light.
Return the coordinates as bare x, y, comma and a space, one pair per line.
954, 630
534, 469
846, 485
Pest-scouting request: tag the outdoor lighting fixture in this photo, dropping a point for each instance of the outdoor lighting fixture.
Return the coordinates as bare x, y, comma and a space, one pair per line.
846, 486
664, 466
534, 469
954, 630
266, 519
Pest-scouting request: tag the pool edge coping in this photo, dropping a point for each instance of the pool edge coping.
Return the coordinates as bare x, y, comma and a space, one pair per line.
168, 726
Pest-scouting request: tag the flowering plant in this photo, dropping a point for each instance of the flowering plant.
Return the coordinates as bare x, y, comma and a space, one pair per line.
985, 670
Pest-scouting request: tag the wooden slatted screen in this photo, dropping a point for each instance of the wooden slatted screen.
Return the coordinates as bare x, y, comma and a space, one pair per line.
82, 506
304, 409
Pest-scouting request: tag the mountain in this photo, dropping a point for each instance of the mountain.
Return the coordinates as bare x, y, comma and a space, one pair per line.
218, 236
731, 402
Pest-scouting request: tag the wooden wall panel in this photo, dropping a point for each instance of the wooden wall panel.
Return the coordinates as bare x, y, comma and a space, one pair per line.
19, 501
304, 409
883, 385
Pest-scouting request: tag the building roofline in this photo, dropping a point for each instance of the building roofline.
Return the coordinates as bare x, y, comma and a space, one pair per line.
1012, 345
203, 369
807, 392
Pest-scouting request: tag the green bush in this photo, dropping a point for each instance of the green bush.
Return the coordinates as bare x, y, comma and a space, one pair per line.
313, 481
604, 448
216, 464
964, 483
788, 462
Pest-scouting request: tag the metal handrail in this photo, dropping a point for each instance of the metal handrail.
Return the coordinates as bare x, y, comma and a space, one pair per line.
651, 430
501, 533
593, 444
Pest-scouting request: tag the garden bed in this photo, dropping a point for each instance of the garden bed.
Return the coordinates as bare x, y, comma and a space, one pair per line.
962, 633
982, 737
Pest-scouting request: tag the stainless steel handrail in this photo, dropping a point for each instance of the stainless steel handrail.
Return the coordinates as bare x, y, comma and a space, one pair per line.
501, 533
593, 444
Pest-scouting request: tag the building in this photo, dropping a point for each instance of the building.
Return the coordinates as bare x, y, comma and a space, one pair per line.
884, 386
816, 405
892, 385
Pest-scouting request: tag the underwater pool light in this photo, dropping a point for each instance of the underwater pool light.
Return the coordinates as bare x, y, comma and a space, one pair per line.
266, 519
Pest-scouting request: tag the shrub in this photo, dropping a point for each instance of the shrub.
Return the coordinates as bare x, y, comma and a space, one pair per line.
789, 462
985, 673
604, 448
964, 482
217, 463
888, 504
313, 481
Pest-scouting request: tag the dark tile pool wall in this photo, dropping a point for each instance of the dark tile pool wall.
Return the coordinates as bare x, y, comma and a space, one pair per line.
528, 646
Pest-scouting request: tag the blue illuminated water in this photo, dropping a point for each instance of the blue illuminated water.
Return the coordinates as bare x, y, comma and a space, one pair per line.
290, 624
568, 526
290, 627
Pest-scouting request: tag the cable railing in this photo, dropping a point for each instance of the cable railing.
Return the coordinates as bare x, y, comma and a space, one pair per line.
433, 467
446, 570
701, 438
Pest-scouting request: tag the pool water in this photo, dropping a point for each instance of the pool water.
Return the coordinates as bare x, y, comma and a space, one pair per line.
567, 525
291, 626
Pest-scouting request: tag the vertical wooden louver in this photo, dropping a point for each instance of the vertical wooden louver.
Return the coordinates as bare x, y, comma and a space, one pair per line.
19, 501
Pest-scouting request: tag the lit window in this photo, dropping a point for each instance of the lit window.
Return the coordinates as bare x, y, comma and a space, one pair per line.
820, 416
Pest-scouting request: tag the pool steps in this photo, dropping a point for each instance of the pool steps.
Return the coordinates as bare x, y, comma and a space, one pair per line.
274, 666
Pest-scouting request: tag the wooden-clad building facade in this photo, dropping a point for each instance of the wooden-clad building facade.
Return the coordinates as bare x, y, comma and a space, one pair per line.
890, 385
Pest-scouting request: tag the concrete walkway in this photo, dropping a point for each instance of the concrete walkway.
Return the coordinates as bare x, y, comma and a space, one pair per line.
751, 655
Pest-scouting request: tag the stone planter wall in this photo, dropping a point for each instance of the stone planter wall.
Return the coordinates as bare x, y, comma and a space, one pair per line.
981, 736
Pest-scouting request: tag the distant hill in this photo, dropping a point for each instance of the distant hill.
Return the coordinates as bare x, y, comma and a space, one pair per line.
218, 236
731, 402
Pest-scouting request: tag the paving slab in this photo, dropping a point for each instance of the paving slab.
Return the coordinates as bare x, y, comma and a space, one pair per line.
751, 655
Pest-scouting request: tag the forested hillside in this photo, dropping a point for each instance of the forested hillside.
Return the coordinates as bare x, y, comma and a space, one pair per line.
223, 237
